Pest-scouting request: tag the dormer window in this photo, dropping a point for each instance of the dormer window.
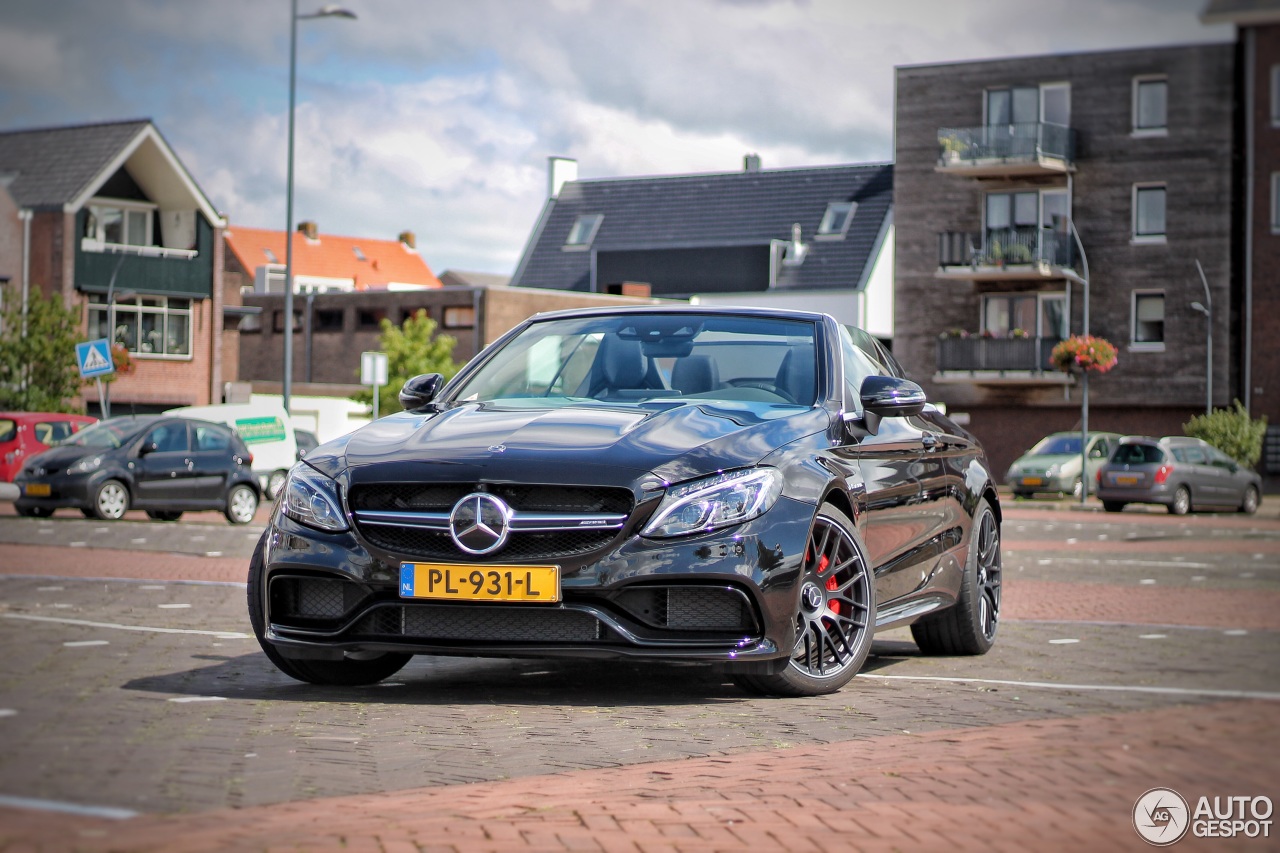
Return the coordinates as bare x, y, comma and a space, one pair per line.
835, 222
271, 256
583, 231
120, 223
359, 253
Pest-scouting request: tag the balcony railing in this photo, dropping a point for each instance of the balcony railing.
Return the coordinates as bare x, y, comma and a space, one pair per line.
1006, 253
995, 355
999, 149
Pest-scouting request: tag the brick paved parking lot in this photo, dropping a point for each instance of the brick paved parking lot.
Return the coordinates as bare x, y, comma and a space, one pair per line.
137, 713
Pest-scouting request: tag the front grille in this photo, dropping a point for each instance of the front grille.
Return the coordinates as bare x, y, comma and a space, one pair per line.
691, 608
440, 497
480, 624
417, 542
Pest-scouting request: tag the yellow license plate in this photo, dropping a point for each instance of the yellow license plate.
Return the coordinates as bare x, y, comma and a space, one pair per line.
1032, 481
479, 583
36, 490
1126, 481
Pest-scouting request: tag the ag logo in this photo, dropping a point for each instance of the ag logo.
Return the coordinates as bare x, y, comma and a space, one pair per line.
1161, 816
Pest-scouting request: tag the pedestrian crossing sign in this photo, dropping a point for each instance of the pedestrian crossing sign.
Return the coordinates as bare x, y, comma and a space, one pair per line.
94, 358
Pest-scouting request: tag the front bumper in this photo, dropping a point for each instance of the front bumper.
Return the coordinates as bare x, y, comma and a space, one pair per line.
1028, 483
730, 595
64, 490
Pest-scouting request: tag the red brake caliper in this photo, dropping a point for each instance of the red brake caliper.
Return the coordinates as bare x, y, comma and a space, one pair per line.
831, 584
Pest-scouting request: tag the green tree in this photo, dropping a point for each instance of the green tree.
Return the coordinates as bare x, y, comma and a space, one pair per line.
411, 349
38, 371
1232, 431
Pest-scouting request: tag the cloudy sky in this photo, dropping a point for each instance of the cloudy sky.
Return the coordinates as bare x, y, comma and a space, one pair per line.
437, 116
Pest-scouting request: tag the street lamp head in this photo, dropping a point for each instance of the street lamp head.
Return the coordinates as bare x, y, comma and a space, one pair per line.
1198, 307
330, 11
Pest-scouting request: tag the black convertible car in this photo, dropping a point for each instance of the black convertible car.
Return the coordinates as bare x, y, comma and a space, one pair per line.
759, 489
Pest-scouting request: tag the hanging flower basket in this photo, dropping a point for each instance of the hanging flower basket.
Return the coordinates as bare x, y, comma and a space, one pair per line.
1079, 353
121, 359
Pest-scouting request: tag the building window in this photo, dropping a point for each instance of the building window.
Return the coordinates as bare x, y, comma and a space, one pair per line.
277, 321
146, 325
370, 319
329, 320
1275, 96
1148, 320
1148, 213
1018, 315
1150, 106
583, 231
119, 223
835, 222
459, 317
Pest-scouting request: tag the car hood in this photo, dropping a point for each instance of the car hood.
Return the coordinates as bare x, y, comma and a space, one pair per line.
60, 458
573, 444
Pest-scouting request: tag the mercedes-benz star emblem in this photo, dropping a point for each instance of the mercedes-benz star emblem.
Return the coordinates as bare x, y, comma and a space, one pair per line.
480, 523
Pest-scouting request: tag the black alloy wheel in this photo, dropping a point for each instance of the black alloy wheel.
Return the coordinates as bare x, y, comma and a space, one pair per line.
835, 619
970, 626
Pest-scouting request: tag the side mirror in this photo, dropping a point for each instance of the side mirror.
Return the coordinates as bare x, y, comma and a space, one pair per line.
890, 397
418, 392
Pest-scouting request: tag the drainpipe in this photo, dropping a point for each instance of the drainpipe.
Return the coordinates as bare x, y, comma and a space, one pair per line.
1251, 53
25, 215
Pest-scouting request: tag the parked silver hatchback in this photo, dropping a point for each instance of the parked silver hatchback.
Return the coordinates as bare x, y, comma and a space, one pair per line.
1184, 474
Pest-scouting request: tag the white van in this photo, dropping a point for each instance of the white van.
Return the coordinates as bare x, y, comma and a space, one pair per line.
265, 428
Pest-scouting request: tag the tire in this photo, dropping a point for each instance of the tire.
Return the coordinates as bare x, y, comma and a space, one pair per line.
346, 673
242, 504
34, 511
111, 501
835, 614
1113, 506
1250, 503
164, 514
1181, 501
970, 627
87, 512
275, 483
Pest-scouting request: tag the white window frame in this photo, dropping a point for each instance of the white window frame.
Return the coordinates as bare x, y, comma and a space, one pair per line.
1137, 86
1146, 346
1041, 298
1275, 202
585, 243
125, 207
824, 232
134, 306
1149, 239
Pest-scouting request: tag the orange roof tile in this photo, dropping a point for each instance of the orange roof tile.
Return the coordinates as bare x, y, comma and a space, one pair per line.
372, 264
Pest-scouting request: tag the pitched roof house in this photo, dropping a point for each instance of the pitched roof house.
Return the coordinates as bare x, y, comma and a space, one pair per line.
326, 262
109, 209
817, 237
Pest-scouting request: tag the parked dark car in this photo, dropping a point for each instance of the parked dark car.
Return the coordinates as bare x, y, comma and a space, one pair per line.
24, 434
1184, 474
1053, 464
763, 490
162, 464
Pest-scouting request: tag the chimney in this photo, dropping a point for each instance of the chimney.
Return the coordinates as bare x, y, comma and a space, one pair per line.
751, 163
559, 171
409, 239
309, 229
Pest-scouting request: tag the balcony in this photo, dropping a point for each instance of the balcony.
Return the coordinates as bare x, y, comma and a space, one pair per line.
1006, 150
998, 361
1008, 254
148, 269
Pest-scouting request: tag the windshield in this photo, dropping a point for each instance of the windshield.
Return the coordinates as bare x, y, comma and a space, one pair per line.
1057, 445
107, 434
630, 358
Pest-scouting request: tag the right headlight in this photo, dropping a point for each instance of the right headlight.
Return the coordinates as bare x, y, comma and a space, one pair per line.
715, 502
311, 498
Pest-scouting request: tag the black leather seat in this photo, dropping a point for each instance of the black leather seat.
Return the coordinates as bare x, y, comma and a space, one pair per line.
797, 375
695, 374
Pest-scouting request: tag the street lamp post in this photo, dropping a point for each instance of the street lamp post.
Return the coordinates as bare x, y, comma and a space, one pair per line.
1084, 374
1207, 310
104, 391
294, 17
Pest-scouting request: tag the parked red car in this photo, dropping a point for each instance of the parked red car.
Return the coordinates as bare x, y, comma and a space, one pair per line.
24, 434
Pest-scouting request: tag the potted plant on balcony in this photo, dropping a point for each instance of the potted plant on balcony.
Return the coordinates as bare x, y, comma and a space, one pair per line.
1084, 354
1019, 253
953, 147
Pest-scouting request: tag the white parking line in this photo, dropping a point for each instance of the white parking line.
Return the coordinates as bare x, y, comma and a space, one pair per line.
77, 644
1113, 688
67, 808
185, 699
173, 606
221, 635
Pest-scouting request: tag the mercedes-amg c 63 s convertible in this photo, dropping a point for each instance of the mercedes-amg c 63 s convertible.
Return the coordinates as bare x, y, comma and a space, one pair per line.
763, 490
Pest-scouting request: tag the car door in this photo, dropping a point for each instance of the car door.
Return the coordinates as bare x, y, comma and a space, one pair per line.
1099, 451
1230, 484
164, 466
212, 451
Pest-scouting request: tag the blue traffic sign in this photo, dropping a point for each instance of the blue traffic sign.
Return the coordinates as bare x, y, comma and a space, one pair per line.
94, 358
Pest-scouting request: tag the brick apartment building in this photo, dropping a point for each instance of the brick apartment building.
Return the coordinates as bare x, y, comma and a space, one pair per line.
999, 165
108, 210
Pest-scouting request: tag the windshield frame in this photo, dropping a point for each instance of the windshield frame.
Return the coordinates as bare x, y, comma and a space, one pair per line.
117, 432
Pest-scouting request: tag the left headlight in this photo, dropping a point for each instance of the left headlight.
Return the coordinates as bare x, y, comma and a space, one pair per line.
86, 465
715, 502
311, 498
